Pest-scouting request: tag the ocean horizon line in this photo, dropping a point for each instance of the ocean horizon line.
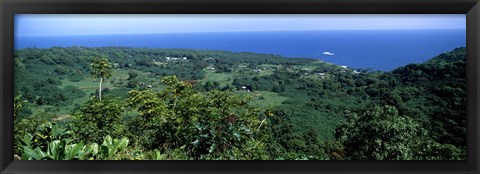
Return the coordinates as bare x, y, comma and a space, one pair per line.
253, 31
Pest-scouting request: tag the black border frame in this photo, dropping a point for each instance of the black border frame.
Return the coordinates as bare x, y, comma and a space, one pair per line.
8, 8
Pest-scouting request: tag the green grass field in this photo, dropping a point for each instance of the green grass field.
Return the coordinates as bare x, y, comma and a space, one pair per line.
265, 99
222, 78
266, 72
89, 85
305, 67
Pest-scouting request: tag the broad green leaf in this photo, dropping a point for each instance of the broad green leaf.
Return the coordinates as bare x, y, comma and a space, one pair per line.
123, 143
93, 148
42, 154
27, 139
29, 154
55, 149
73, 150
107, 141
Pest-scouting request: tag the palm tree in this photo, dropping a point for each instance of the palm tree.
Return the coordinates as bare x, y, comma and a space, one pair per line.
101, 68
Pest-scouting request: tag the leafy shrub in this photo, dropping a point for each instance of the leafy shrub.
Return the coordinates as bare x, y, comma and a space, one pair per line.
97, 119
380, 134
215, 125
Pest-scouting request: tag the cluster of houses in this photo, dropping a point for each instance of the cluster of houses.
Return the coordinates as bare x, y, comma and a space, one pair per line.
321, 75
245, 88
343, 69
255, 70
175, 58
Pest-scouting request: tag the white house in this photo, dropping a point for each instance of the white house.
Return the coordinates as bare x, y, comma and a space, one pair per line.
321, 75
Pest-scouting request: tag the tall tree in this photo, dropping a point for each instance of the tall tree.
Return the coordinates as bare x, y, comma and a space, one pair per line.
101, 68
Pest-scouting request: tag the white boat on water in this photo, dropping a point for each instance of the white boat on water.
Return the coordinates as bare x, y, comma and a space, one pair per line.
328, 53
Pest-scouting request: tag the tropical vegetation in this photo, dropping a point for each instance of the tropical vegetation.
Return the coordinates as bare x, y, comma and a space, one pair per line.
122, 103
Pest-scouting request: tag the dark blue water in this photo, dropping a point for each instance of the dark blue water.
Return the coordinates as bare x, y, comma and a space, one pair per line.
377, 49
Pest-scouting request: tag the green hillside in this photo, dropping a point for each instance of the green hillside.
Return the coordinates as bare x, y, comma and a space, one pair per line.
208, 104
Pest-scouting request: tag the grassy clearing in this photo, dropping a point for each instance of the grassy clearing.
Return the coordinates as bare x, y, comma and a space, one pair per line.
268, 66
90, 83
305, 67
265, 99
87, 83
121, 74
266, 72
223, 78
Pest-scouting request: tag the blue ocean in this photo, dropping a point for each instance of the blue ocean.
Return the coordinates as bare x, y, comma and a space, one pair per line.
382, 50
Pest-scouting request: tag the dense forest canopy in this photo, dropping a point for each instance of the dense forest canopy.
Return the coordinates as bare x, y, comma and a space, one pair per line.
209, 104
